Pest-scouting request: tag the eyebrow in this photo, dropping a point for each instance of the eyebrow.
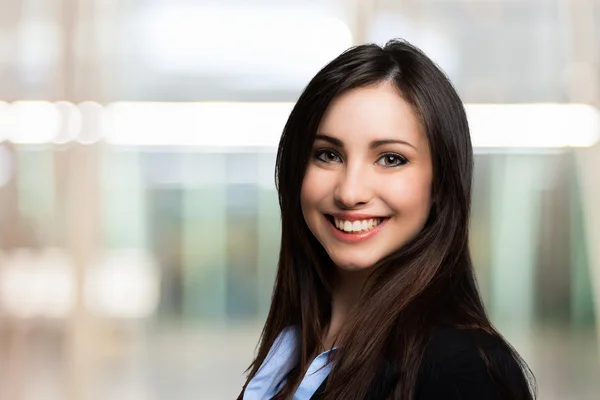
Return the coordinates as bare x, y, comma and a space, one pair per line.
373, 145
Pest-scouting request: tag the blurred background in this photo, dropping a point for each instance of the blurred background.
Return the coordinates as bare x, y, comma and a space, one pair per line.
139, 224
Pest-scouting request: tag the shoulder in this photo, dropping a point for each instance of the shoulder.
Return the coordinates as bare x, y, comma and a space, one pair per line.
457, 362
446, 344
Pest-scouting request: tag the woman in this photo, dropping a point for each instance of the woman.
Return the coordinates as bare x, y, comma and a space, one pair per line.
375, 296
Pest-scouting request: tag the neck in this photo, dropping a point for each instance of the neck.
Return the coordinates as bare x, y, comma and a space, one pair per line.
346, 291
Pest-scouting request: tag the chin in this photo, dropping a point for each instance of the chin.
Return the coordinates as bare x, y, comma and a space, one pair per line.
353, 265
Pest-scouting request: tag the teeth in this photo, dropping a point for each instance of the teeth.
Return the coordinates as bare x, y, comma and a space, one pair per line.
356, 226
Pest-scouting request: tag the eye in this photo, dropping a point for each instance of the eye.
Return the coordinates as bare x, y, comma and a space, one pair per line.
327, 155
391, 160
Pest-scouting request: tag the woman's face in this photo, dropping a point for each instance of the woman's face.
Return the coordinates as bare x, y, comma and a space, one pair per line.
367, 187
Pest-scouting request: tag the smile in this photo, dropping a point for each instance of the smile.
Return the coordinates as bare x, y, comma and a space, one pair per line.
364, 225
354, 230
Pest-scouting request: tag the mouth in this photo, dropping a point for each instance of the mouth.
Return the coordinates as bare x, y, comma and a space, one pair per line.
357, 226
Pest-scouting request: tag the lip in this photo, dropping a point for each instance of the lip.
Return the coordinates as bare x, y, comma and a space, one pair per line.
355, 216
354, 237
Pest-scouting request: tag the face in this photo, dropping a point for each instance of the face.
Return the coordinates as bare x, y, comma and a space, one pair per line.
367, 187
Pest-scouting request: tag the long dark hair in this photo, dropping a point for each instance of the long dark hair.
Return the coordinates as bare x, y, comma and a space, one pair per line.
426, 284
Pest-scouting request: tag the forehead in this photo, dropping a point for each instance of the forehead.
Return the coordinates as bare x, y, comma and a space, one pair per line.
371, 113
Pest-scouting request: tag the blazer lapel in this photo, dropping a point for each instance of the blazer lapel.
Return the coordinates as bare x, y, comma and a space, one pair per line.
380, 388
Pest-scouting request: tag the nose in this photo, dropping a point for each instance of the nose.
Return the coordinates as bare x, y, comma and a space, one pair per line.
353, 189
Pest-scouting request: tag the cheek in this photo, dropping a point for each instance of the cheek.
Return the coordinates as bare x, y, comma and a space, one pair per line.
310, 192
412, 195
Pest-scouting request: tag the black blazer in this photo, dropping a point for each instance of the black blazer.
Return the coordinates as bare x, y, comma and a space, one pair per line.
452, 369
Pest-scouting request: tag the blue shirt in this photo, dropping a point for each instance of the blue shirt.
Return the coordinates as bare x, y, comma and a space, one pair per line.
280, 360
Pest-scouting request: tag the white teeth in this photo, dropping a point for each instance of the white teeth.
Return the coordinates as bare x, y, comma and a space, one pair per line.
356, 226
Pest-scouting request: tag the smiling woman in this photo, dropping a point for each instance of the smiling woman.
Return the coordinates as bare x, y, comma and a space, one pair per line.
375, 295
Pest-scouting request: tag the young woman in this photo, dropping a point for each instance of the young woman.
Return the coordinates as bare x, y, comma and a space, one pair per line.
375, 296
